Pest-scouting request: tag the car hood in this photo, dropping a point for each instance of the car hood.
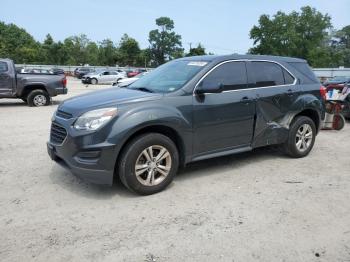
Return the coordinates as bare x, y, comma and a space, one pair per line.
105, 98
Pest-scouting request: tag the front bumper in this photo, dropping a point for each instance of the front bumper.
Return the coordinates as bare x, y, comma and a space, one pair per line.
94, 163
86, 80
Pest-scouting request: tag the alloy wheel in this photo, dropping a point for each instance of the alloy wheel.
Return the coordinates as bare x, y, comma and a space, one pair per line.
303, 138
153, 165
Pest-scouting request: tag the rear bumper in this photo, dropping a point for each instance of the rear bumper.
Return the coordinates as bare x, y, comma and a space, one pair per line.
61, 91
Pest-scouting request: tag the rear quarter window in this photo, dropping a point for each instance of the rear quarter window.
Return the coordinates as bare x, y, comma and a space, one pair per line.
307, 76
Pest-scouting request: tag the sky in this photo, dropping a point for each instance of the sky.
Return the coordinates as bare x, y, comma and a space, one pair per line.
222, 26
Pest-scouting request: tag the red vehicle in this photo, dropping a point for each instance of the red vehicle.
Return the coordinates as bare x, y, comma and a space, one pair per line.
135, 72
338, 82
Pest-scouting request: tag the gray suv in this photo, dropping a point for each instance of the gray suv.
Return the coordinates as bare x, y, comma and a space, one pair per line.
187, 110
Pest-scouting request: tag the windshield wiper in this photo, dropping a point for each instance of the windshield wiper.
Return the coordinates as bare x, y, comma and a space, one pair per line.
144, 89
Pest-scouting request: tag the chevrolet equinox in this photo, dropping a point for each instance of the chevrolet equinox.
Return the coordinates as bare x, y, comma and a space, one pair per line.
187, 110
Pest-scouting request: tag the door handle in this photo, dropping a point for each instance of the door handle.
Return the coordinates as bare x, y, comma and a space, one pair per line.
246, 100
289, 92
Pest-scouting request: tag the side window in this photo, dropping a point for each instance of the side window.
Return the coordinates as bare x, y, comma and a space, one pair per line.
232, 75
288, 79
105, 73
267, 74
3, 67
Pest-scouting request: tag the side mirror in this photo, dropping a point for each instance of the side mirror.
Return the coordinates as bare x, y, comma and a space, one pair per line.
210, 88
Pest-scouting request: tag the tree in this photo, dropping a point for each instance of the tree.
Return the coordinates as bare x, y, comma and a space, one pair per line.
107, 53
48, 50
129, 51
92, 54
76, 48
165, 44
17, 44
299, 34
341, 42
144, 58
199, 50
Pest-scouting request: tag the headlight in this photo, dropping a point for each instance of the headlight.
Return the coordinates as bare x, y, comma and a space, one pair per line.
94, 119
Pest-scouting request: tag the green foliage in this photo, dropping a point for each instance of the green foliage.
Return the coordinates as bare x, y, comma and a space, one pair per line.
298, 34
17, 43
199, 50
129, 51
165, 44
107, 52
341, 43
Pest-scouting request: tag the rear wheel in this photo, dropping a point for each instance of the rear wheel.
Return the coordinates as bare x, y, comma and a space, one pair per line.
148, 163
338, 122
38, 98
301, 137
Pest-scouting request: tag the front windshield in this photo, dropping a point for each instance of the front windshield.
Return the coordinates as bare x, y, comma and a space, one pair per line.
169, 77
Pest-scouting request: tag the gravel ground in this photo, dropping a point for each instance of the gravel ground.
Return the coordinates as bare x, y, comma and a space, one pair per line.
258, 206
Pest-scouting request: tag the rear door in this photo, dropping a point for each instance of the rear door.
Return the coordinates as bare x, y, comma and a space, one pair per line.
114, 76
276, 91
5, 79
223, 121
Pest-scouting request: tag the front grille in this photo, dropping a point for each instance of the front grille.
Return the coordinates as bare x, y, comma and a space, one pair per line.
63, 114
58, 133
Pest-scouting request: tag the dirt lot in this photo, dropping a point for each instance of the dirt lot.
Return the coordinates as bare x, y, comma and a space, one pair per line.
259, 206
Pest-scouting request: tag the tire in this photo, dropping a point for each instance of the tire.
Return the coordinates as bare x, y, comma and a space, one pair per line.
137, 152
93, 81
38, 98
299, 143
338, 122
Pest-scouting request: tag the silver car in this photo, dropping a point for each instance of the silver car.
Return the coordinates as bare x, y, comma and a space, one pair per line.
102, 77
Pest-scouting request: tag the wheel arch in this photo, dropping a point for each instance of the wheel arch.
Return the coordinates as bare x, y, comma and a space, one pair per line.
161, 129
29, 88
313, 115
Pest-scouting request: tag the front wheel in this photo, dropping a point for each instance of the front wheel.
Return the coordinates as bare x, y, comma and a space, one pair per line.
148, 163
93, 81
301, 137
38, 98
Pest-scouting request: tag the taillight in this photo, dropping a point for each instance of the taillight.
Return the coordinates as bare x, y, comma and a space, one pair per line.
64, 81
323, 92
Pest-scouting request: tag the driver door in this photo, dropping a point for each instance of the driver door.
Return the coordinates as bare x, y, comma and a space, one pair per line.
105, 77
223, 120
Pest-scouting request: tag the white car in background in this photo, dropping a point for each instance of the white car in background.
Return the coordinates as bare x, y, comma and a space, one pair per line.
128, 81
103, 77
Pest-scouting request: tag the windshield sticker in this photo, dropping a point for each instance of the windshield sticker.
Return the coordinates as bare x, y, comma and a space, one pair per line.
197, 63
